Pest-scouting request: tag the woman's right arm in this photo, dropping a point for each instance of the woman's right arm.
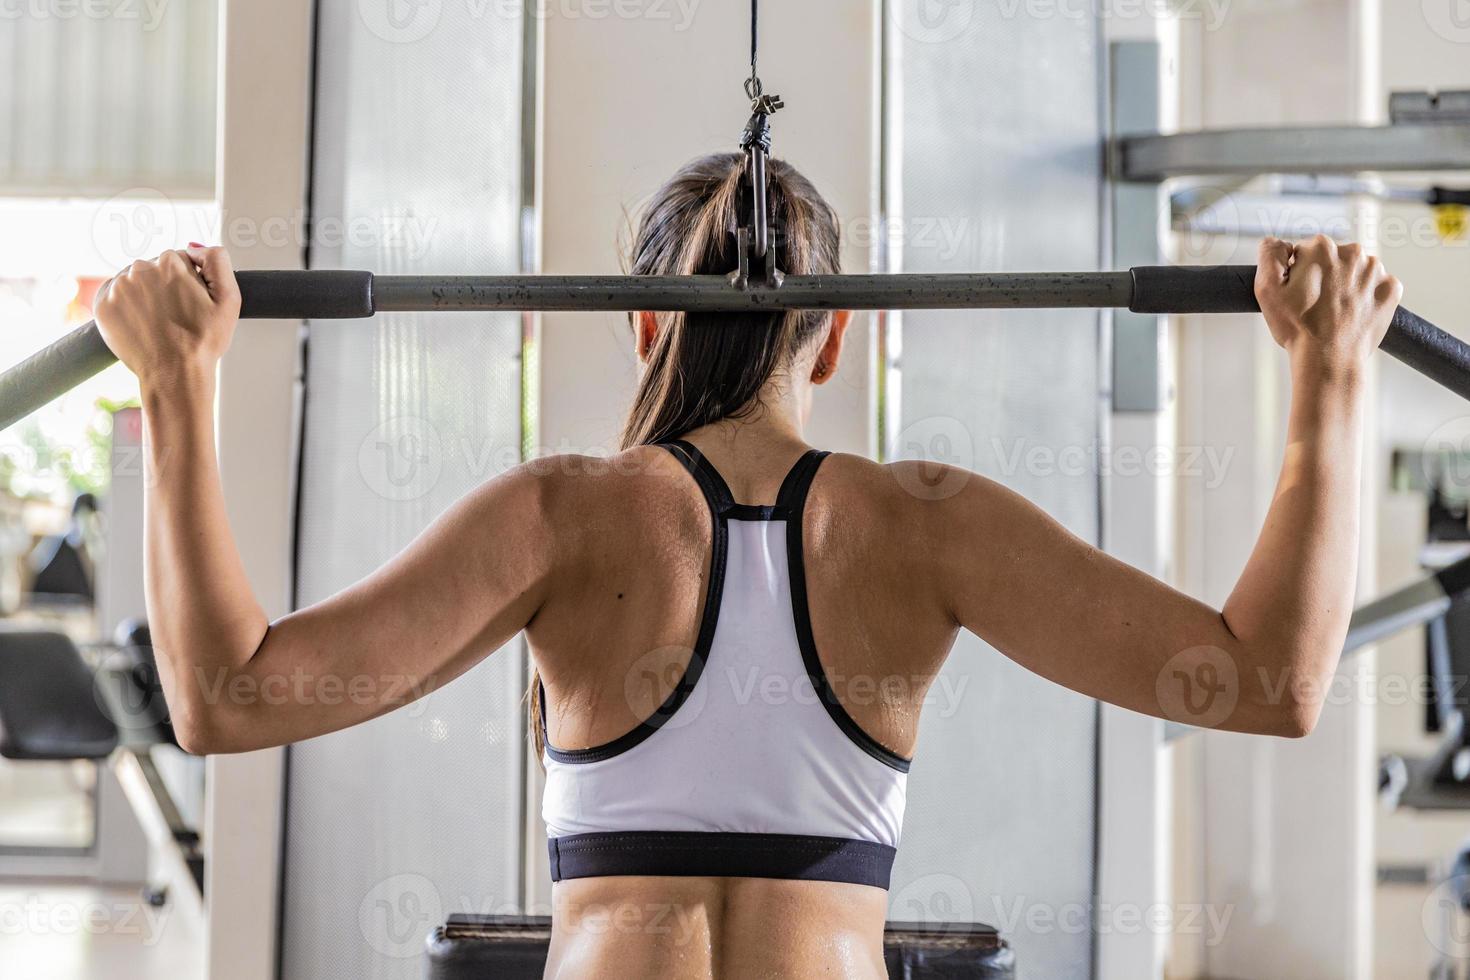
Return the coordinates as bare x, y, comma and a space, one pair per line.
1073, 614
235, 681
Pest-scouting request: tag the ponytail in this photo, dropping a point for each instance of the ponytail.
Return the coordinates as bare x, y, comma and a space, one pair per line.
704, 367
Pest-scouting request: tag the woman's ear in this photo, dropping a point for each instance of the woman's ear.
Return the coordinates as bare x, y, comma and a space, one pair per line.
645, 329
830, 353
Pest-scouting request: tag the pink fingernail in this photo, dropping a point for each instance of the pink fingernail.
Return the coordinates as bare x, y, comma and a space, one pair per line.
195, 245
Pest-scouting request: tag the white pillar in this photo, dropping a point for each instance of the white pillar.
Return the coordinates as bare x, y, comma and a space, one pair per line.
264, 113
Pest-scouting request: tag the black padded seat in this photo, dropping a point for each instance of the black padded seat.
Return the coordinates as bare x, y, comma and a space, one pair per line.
492, 947
48, 705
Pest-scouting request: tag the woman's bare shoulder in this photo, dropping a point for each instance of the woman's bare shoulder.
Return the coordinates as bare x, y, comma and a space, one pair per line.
583, 491
906, 487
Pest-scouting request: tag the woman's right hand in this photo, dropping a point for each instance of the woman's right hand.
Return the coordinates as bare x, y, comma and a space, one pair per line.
1329, 303
170, 317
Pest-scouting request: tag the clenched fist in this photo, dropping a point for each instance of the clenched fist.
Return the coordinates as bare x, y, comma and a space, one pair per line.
1329, 302
170, 316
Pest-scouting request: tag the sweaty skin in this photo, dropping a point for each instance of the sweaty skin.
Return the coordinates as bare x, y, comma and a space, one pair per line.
604, 564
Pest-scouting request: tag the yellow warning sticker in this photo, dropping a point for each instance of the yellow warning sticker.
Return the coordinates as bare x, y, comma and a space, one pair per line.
1453, 221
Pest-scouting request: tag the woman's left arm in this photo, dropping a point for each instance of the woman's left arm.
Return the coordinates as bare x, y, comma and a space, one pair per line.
1261, 663
233, 680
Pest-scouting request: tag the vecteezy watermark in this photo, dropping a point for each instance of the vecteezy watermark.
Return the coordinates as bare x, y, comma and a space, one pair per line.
1019, 915
1445, 457
1211, 12
400, 21
396, 915
408, 21
773, 687
303, 688
680, 924
1445, 917
147, 13
653, 677
1199, 686
401, 459
142, 222
941, 454
1213, 219
61, 462
404, 458
940, 238
37, 916
1207, 463
932, 900
1450, 19
939, 21
137, 224
933, 21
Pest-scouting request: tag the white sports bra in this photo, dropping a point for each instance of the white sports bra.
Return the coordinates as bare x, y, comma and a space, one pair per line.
751, 767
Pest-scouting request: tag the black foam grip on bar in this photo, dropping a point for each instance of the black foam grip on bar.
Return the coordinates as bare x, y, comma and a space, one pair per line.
1231, 289
1194, 289
1429, 350
51, 372
313, 295
1440, 196
1455, 579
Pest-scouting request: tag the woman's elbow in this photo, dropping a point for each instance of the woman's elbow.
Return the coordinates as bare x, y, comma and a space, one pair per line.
196, 733
1293, 709
1297, 718
207, 730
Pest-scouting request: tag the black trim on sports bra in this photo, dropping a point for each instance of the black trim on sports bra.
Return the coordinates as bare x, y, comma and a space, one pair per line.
793, 497
790, 506
692, 854
717, 496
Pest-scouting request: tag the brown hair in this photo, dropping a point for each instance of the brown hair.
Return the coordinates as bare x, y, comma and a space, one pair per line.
704, 367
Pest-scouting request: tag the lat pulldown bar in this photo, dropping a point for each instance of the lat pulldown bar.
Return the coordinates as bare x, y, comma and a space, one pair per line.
325, 295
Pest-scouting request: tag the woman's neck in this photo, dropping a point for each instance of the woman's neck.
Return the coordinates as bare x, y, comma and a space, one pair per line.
774, 427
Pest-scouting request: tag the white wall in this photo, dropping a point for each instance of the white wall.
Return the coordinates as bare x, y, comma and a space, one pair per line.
265, 62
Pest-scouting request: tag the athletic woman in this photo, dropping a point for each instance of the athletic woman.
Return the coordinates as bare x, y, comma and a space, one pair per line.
735, 632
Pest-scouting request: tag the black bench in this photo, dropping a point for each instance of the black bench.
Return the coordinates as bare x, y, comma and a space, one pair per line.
50, 708
56, 707
493, 947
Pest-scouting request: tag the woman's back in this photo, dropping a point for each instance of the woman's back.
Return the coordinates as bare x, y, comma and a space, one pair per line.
735, 655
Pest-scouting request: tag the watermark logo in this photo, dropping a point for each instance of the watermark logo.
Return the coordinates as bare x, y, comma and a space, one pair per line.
1208, 464
398, 913
400, 21
653, 676
1445, 916
1199, 686
934, 899
1450, 19
129, 691
933, 21
1016, 915
34, 915
1446, 456
147, 13
943, 452
402, 459
137, 224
